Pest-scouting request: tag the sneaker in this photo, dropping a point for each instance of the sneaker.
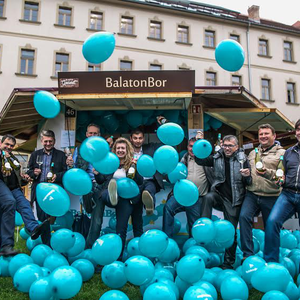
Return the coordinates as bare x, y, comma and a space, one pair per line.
147, 199
112, 192
8, 250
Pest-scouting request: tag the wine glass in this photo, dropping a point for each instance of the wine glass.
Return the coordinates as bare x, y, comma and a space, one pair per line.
241, 157
39, 160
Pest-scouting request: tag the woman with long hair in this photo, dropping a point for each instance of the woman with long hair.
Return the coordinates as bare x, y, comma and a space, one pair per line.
124, 207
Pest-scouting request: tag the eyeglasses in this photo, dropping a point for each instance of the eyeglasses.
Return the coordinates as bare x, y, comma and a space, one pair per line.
228, 146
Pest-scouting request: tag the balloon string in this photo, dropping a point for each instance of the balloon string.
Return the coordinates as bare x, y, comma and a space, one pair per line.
68, 129
17, 234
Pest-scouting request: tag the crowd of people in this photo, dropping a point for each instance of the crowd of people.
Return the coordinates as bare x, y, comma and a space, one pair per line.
227, 180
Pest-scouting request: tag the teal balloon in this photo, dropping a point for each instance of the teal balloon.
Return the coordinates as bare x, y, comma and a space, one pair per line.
66, 282
17, 262
221, 277
208, 287
296, 233
214, 247
177, 226
24, 235
18, 219
170, 134
114, 295
145, 166
165, 159
108, 165
41, 289
113, 275
272, 276
46, 104
204, 231
30, 243
139, 270
153, 243
214, 260
40, 253
182, 286
183, 188
46, 272
107, 249
4, 264
85, 267
77, 181
259, 234
230, 55
169, 283
292, 291
290, 265
96, 113
78, 246
163, 273
180, 172
234, 287
215, 124
206, 118
52, 199
98, 47
272, 295
190, 268
202, 148
110, 121
127, 188
26, 276
62, 240
83, 118
288, 241
206, 126
188, 243
202, 252
225, 231
195, 292
159, 291
171, 115
54, 261
134, 119
133, 247
209, 276
65, 221
112, 222
171, 254
94, 149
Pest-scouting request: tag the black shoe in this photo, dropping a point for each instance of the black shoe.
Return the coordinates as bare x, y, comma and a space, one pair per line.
226, 267
41, 228
8, 251
147, 200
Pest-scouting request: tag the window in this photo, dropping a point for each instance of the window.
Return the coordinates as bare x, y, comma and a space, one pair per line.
94, 67
27, 61
155, 67
263, 47
236, 80
1, 8
211, 78
235, 37
291, 92
155, 30
126, 25
182, 34
96, 20
288, 51
31, 10
265, 89
125, 65
61, 63
64, 16
209, 39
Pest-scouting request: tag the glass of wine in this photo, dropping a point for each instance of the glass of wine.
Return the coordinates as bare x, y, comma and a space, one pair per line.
241, 157
39, 160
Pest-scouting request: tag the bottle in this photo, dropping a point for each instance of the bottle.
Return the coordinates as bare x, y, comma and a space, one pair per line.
280, 170
258, 163
132, 169
50, 174
14, 162
67, 152
218, 143
6, 167
162, 120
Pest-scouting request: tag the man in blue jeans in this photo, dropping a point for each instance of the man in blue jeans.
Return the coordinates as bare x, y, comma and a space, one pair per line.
287, 203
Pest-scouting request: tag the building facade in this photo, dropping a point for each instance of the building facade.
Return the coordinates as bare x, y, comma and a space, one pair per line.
40, 38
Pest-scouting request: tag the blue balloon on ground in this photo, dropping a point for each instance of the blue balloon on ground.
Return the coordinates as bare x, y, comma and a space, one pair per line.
188, 243
46, 271
114, 295
163, 273
4, 264
54, 261
94, 149
202, 148
145, 166
46, 104
292, 291
139, 270
208, 287
98, 47
215, 123
153, 243
107, 249
165, 159
288, 241
62, 240
52, 199
18, 219
77, 181
108, 165
169, 283
214, 260
41, 289
171, 254
182, 286
134, 119
230, 55
66, 282
133, 247
234, 287
24, 235
221, 277
85, 267
25, 276
78, 247
209, 276
202, 252
289, 264
127, 188
203, 231
195, 292
250, 266
225, 231
272, 295
186, 192
170, 134
113, 275
30, 243
40, 253
180, 172
65, 221
159, 291
17, 262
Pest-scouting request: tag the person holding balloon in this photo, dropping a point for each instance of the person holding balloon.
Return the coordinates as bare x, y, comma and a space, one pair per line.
128, 204
229, 186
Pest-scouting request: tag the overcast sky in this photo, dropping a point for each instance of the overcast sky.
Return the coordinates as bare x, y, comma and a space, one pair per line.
287, 11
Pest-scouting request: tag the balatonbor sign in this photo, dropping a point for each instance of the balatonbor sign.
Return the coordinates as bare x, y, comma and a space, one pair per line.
126, 82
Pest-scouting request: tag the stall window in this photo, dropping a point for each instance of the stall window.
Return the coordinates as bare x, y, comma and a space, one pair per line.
125, 65
64, 16
265, 89
94, 67
27, 61
183, 34
96, 20
155, 67
288, 51
155, 30
31, 11
235, 37
209, 39
1, 8
211, 78
291, 92
61, 63
126, 25
236, 80
263, 47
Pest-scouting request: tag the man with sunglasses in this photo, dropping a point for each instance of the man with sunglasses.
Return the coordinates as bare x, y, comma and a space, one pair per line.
228, 189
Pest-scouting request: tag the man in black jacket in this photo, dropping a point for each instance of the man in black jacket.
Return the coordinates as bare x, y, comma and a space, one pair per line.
228, 189
287, 203
39, 166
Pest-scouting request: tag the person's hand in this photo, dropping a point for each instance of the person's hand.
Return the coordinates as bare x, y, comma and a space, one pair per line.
70, 161
280, 181
245, 172
199, 135
53, 178
37, 171
159, 119
261, 172
110, 141
95, 172
26, 177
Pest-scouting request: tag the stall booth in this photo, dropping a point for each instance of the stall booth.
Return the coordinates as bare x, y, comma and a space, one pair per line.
119, 101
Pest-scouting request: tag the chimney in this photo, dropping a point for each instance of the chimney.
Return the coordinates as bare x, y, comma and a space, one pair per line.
297, 25
253, 13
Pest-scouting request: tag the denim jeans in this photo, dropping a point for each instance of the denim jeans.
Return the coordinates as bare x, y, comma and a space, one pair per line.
286, 205
252, 205
172, 207
149, 185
